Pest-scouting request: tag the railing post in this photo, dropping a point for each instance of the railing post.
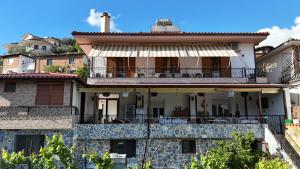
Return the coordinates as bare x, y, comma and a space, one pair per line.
245, 72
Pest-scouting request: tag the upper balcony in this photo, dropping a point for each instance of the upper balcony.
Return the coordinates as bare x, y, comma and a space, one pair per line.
38, 117
138, 75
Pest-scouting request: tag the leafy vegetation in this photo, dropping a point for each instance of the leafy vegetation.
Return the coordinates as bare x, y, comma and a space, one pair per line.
104, 162
54, 69
275, 163
18, 49
69, 45
147, 165
82, 72
236, 153
9, 161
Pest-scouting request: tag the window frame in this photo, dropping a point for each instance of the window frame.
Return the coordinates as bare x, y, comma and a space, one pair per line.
44, 47
193, 149
7, 89
71, 60
126, 147
10, 61
23, 137
49, 60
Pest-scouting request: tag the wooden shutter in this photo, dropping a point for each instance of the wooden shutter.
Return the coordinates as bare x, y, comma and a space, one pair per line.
174, 63
159, 64
207, 66
57, 94
130, 69
42, 94
226, 70
112, 65
50, 94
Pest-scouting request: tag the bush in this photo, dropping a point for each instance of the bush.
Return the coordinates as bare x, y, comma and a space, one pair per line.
82, 72
54, 69
276, 163
104, 162
9, 161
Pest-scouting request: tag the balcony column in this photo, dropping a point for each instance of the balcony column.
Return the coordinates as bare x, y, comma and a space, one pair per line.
259, 104
287, 103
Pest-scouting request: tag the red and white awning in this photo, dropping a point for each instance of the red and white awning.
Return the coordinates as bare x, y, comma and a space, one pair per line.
162, 51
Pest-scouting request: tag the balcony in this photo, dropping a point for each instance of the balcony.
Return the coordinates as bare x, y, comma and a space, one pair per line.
38, 117
109, 76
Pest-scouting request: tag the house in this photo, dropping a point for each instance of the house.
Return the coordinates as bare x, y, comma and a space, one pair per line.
282, 65
166, 95
70, 61
36, 105
18, 63
33, 44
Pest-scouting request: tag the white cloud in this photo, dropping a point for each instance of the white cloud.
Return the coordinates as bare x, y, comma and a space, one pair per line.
279, 35
94, 19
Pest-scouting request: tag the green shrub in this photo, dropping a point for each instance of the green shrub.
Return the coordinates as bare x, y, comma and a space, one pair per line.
54, 69
276, 163
104, 162
10, 161
82, 72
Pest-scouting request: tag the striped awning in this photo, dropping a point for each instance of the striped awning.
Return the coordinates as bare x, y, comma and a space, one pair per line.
162, 51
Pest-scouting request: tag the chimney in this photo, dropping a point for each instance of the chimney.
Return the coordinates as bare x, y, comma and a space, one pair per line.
105, 22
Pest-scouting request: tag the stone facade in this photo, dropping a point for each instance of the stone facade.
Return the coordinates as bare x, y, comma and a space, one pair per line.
133, 131
7, 137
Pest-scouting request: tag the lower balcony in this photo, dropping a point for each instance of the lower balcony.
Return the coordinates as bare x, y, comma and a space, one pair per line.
38, 117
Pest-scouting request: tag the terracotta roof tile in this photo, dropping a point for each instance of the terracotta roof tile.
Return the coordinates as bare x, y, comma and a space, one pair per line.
58, 76
173, 33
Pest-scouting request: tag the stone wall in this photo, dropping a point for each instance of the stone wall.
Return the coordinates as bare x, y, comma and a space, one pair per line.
163, 153
133, 131
24, 95
7, 137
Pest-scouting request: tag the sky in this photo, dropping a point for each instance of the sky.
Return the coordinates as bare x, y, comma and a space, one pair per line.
58, 18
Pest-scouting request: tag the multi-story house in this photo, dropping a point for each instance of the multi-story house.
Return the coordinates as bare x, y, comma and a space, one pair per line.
282, 65
70, 61
17, 63
165, 95
33, 44
33, 106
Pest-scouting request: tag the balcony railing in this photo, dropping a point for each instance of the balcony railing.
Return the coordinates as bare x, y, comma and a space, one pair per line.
32, 112
103, 72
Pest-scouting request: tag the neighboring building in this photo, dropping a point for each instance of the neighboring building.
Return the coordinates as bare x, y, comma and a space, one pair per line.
169, 94
33, 106
70, 61
283, 66
17, 63
34, 45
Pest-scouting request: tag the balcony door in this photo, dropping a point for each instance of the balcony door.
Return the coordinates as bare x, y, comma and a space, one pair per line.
121, 67
216, 66
107, 109
166, 64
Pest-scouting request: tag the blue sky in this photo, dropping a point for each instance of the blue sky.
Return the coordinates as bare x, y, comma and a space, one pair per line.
59, 18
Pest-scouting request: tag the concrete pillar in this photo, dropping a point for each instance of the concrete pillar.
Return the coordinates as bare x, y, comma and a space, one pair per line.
287, 103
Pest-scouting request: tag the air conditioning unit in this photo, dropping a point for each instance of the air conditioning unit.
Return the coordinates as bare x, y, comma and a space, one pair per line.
235, 47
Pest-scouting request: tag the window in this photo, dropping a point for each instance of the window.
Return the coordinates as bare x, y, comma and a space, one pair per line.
188, 146
49, 62
10, 87
71, 60
158, 112
36, 47
44, 47
10, 60
127, 147
50, 94
29, 143
264, 102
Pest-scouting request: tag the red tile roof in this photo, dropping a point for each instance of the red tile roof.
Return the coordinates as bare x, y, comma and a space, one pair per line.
41, 76
173, 33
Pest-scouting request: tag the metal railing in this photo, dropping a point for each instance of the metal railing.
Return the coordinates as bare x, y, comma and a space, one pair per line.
273, 121
19, 112
104, 72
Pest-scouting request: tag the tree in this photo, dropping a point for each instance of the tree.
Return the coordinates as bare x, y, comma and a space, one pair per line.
9, 161
104, 162
54, 69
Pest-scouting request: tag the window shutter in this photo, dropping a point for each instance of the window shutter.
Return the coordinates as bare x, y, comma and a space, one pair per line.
57, 94
42, 94
50, 94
